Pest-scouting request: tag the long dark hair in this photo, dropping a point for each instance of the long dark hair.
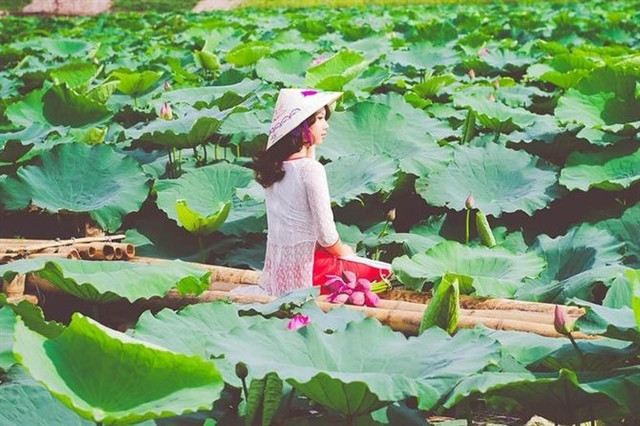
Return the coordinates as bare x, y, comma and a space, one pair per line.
267, 164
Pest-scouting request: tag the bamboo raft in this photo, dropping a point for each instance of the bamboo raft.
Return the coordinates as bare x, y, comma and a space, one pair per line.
400, 315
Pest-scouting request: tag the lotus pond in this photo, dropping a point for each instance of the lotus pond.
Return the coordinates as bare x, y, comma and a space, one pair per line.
145, 124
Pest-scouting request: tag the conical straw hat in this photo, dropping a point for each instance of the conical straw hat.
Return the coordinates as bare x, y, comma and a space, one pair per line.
293, 107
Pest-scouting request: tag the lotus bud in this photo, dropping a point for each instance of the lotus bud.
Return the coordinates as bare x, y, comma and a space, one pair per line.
363, 285
483, 51
496, 84
241, 370
471, 73
317, 61
492, 98
357, 298
298, 321
469, 202
165, 111
167, 85
350, 278
334, 284
561, 321
338, 298
391, 215
371, 299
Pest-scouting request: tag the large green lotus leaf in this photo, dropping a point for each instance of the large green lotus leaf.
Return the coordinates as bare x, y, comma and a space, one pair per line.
7, 325
370, 128
75, 177
425, 56
192, 129
627, 229
135, 83
247, 53
285, 66
439, 129
57, 46
207, 95
617, 323
331, 368
23, 401
131, 381
564, 70
612, 170
28, 111
108, 281
203, 189
494, 115
495, 272
64, 106
500, 179
345, 65
501, 59
575, 261
75, 74
15, 145
353, 176
33, 317
564, 397
246, 126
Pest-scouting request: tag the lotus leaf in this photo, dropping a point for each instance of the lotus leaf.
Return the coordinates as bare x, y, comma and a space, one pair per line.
206, 60
130, 381
285, 66
426, 56
203, 189
617, 323
246, 126
7, 325
247, 53
328, 367
197, 223
501, 59
192, 129
352, 176
575, 261
33, 317
23, 401
370, 128
28, 111
74, 74
431, 86
336, 71
495, 272
57, 46
564, 398
620, 292
79, 178
108, 281
611, 170
208, 95
501, 180
135, 83
495, 115
64, 106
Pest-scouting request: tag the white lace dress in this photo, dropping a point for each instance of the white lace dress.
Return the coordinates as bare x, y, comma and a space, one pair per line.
298, 215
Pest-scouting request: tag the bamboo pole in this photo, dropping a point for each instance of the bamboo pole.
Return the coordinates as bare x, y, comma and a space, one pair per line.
407, 322
218, 273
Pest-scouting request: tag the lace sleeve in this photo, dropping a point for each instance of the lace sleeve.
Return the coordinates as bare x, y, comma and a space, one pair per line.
315, 181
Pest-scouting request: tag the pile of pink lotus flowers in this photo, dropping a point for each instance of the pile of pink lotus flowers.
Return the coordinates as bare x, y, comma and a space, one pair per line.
353, 290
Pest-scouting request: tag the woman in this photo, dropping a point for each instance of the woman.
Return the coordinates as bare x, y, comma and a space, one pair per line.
303, 246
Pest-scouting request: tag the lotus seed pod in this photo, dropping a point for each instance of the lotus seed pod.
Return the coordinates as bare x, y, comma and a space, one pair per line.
241, 370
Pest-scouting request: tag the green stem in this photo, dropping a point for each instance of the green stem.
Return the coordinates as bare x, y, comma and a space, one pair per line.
245, 389
215, 151
466, 229
384, 230
180, 161
238, 151
575, 346
170, 172
95, 311
135, 102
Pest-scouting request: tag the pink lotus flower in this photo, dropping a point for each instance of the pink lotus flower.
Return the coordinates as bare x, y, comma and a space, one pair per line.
561, 321
483, 51
357, 298
317, 61
165, 111
298, 321
471, 73
351, 289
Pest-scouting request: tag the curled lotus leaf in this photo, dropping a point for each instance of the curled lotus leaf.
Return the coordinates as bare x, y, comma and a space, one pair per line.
337, 70
131, 381
612, 170
199, 224
285, 66
203, 189
78, 178
501, 180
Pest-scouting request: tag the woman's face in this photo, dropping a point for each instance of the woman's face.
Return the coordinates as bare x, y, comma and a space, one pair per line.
318, 130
